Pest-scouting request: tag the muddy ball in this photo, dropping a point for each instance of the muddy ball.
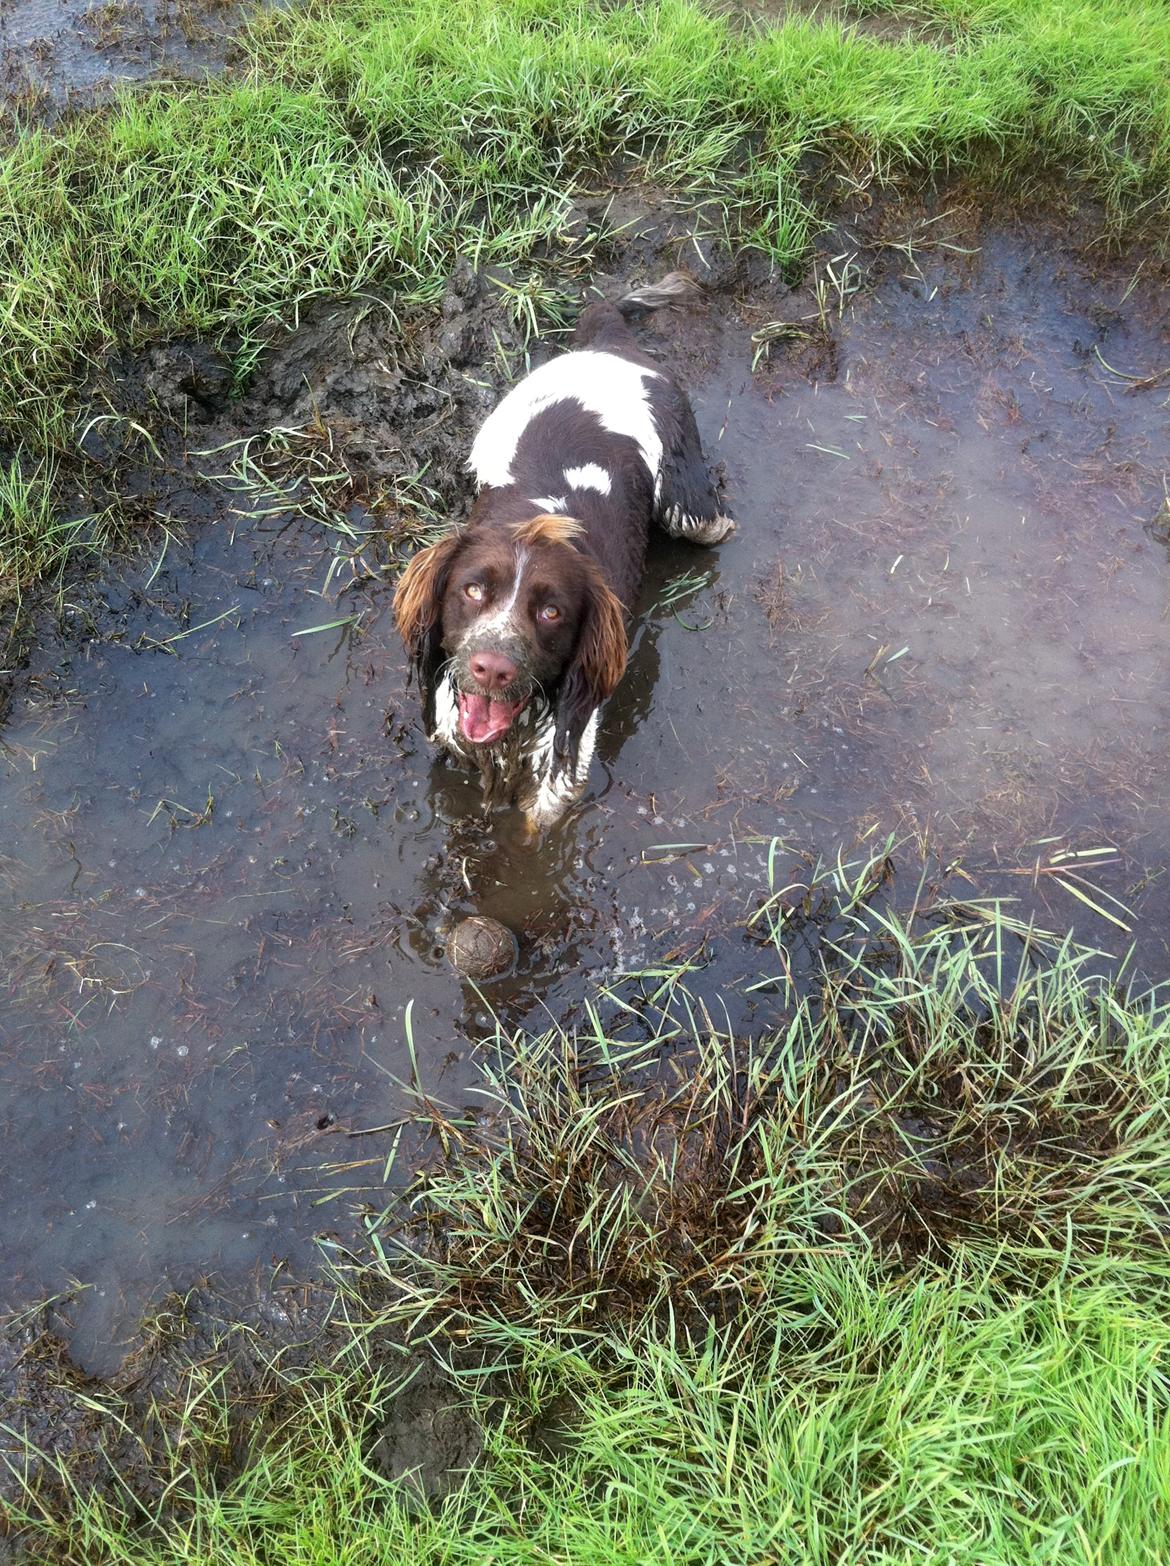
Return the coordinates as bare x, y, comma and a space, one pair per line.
481, 948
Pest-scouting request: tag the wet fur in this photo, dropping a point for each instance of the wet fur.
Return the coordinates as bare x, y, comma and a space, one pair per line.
575, 465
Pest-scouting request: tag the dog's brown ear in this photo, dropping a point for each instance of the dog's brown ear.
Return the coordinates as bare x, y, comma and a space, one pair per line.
596, 668
418, 613
418, 598
603, 648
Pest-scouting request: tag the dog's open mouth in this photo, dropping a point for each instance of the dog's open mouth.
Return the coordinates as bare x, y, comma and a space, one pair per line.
483, 721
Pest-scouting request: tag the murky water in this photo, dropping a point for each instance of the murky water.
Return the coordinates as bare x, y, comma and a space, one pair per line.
57, 53
227, 872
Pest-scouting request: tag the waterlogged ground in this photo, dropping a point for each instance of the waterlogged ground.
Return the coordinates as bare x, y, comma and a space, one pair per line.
57, 53
229, 858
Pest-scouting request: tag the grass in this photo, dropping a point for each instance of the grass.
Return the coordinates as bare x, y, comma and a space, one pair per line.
36, 541
952, 1085
366, 145
888, 1283
28, 524
864, 1418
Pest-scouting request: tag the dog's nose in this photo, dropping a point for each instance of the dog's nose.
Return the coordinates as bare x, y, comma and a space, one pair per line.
492, 670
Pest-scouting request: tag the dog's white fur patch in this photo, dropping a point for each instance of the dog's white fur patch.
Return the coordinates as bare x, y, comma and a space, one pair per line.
590, 475
499, 621
446, 713
556, 791
557, 505
605, 384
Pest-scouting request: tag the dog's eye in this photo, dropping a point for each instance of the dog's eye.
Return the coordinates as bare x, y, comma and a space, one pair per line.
474, 591
549, 612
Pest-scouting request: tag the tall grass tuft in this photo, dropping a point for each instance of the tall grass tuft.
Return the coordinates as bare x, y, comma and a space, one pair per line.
936, 1091
36, 541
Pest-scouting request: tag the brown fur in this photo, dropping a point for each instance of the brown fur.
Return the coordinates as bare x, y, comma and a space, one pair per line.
418, 597
547, 529
603, 648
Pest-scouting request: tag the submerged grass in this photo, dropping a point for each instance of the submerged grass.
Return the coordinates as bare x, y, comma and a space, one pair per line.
888, 1283
367, 144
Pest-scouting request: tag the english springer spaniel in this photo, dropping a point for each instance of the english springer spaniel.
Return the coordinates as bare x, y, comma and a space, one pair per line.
515, 622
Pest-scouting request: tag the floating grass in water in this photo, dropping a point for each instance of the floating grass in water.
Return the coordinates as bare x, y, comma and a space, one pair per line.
681, 590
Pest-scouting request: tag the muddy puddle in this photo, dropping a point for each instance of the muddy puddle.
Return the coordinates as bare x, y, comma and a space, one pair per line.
58, 54
229, 857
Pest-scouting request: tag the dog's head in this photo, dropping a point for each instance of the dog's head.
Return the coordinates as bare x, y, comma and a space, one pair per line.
513, 612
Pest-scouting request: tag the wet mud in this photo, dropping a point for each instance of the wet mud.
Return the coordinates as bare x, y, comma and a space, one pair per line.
230, 859
57, 55
211, 1376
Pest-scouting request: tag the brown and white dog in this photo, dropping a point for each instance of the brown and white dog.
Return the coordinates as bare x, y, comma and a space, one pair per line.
516, 622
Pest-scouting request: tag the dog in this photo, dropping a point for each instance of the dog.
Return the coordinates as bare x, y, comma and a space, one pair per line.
515, 622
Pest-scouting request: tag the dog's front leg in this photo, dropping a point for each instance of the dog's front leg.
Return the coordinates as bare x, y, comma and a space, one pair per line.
555, 786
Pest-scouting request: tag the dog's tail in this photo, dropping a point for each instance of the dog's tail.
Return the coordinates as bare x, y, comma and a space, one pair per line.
674, 288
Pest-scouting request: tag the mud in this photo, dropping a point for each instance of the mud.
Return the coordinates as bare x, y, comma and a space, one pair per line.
230, 860
430, 1440
53, 1409
57, 55
210, 1377
905, 23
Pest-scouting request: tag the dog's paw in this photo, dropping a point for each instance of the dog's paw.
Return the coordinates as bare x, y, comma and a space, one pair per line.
713, 531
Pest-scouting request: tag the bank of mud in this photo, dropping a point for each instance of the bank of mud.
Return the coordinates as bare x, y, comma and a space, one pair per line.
231, 859
210, 1382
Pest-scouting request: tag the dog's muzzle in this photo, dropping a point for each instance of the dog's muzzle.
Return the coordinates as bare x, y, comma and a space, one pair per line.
493, 691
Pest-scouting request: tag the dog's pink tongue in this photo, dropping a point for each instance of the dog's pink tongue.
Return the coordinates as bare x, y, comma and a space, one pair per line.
482, 721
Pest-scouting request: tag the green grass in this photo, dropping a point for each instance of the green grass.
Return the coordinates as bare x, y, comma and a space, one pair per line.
28, 524
36, 541
932, 1420
889, 1284
369, 143
957, 1086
